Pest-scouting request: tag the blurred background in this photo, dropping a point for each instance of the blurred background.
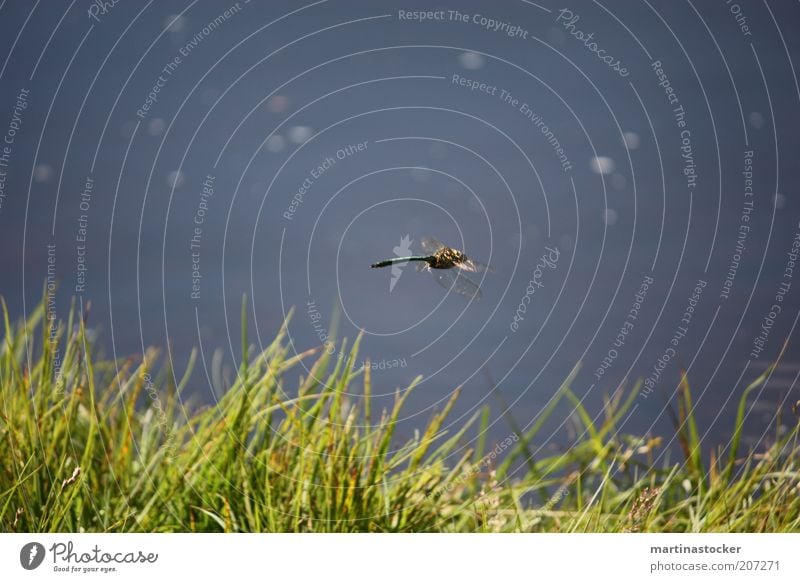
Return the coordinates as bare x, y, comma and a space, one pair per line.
628, 169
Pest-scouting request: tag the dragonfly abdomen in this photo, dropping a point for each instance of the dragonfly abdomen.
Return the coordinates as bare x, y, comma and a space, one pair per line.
396, 260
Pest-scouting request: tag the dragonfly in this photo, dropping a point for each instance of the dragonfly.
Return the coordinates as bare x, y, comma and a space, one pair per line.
446, 264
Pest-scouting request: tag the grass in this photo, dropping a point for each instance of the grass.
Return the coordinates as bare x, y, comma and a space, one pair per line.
110, 446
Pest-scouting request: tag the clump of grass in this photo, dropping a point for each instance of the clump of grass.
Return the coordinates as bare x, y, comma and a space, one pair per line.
111, 446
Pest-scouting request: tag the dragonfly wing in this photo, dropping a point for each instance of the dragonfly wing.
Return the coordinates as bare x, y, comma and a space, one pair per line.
474, 266
451, 279
430, 245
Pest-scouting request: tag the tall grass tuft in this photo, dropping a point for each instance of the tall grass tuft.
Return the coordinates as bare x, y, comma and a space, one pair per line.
112, 446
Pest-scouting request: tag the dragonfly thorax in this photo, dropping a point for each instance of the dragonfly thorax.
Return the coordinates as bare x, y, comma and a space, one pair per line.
446, 258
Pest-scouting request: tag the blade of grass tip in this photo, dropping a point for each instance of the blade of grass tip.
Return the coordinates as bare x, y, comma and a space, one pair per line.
367, 395
310, 413
432, 430
584, 416
446, 447
70, 348
291, 361
591, 501
126, 436
184, 381
693, 437
677, 424
595, 439
87, 361
7, 350
343, 382
245, 356
42, 370
330, 383
317, 372
7, 324
523, 448
527, 436
619, 410
243, 381
713, 470
483, 429
389, 430
740, 413
333, 328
